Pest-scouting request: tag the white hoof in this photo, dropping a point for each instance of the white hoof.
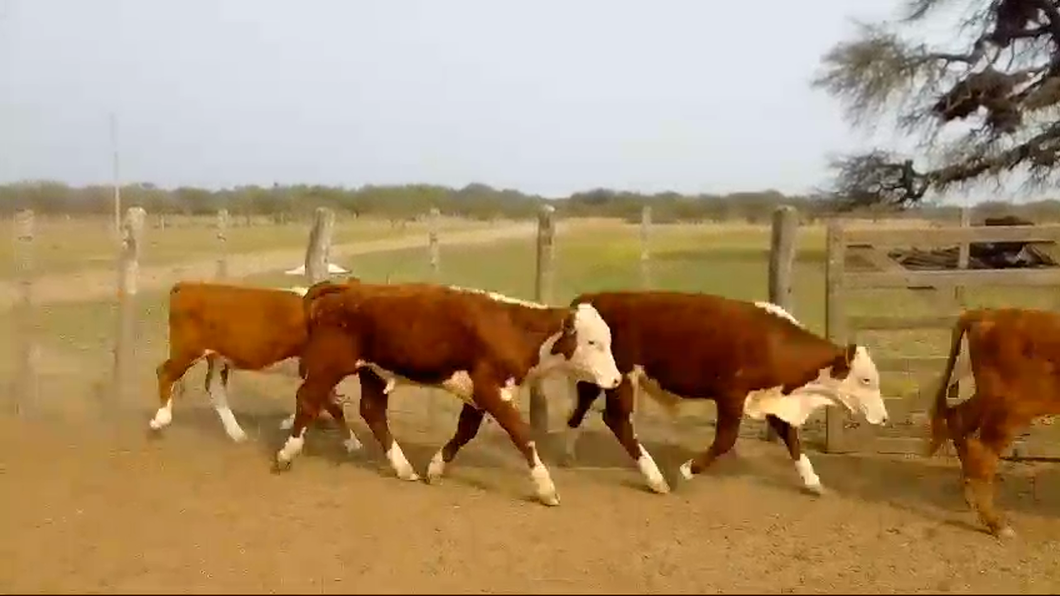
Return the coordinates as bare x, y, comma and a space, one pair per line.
236, 434
436, 468
1006, 533
409, 475
352, 444
659, 486
287, 423
551, 498
686, 470
816, 489
161, 420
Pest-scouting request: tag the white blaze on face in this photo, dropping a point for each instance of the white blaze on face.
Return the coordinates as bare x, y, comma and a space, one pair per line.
592, 354
860, 390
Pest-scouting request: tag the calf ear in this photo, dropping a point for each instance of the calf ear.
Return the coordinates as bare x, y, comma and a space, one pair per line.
842, 362
567, 341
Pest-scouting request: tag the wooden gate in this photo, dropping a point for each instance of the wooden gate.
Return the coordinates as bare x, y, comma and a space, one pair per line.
906, 322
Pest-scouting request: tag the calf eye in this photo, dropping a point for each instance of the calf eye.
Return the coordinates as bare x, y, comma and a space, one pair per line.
593, 343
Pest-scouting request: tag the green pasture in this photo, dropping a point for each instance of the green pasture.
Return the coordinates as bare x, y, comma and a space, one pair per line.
63, 245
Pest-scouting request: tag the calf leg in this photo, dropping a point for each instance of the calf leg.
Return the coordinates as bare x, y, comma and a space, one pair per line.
790, 435
373, 410
169, 372
334, 408
310, 399
979, 466
335, 398
585, 394
617, 412
466, 429
730, 414
217, 389
487, 394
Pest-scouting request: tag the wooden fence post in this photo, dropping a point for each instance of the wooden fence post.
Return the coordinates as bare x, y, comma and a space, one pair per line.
434, 255
964, 255
319, 249
25, 390
132, 229
542, 293
645, 249
222, 244
782, 266
432, 241
835, 324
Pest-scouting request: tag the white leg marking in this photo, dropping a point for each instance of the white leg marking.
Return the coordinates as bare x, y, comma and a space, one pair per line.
570, 441
686, 470
401, 466
287, 423
509, 391
546, 490
352, 443
810, 479
436, 467
163, 416
291, 448
651, 472
220, 403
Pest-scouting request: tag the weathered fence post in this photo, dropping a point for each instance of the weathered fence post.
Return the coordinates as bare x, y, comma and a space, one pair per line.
25, 390
432, 241
434, 254
782, 266
542, 293
319, 249
222, 244
132, 229
645, 249
964, 255
835, 324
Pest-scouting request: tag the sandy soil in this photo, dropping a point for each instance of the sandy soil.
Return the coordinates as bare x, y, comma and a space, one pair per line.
93, 504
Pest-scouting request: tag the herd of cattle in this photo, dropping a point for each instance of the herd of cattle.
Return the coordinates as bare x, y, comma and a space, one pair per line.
751, 359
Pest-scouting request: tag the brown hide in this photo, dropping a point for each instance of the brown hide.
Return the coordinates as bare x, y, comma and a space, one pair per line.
1015, 360
704, 346
251, 327
426, 332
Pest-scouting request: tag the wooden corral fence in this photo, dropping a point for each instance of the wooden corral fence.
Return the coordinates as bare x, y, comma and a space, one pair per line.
862, 259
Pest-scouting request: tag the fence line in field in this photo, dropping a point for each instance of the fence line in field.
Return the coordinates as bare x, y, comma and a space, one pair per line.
316, 262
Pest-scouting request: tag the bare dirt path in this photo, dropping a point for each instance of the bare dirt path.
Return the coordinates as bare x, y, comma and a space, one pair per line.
101, 508
92, 284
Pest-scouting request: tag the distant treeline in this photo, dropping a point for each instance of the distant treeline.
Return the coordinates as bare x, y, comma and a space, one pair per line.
475, 201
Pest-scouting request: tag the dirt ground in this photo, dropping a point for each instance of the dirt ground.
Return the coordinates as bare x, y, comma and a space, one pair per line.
94, 504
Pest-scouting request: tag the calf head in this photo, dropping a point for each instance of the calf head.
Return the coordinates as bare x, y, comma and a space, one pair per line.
854, 380
584, 344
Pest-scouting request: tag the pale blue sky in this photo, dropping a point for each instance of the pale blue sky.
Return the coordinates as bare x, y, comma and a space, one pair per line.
548, 97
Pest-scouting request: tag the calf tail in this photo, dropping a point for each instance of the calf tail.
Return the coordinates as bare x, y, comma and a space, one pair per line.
939, 407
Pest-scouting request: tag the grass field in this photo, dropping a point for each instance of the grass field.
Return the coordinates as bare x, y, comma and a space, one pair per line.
63, 245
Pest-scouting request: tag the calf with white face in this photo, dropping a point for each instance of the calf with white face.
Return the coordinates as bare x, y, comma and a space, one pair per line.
583, 350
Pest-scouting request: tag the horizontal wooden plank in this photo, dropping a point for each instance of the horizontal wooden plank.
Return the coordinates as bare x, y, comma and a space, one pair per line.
1037, 448
992, 277
877, 323
911, 364
949, 236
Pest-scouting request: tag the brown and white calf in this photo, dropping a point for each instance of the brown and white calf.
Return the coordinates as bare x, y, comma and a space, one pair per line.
749, 358
474, 346
1007, 359
231, 326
